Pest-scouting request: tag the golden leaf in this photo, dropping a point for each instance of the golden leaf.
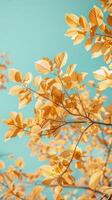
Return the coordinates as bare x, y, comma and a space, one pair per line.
15, 75
11, 133
44, 65
96, 47
88, 43
109, 20
27, 78
2, 164
47, 171
96, 16
15, 90
72, 20
100, 74
95, 179
57, 94
36, 81
71, 68
71, 32
78, 38
104, 84
107, 190
20, 163
83, 22
61, 59
48, 181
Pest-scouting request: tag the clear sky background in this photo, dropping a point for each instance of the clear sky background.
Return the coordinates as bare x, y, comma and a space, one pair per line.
29, 30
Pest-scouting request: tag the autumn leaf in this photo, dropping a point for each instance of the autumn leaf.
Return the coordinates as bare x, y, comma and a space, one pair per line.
77, 39
20, 163
15, 90
88, 43
95, 179
60, 59
109, 20
27, 78
15, 75
44, 66
72, 20
96, 16
105, 77
57, 94
2, 164
83, 22
71, 68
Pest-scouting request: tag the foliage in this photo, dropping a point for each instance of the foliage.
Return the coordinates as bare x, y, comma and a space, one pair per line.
70, 130
97, 33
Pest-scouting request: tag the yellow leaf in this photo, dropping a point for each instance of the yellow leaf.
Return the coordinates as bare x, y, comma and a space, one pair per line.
96, 47
95, 179
83, 22
109, 20
48, 181
61, 59
35, 193
37, 81
44, 65
72, 20
2, 164
47, 171
15, 90
88, 43
71, 32
100, 74
15, 75
20, 163
57, 94
107, 190
19, 119
78, 38
104, 84
27, 78
71, 68
96, 16
11, 133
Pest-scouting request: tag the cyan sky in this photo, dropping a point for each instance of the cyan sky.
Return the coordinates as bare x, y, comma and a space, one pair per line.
31, 29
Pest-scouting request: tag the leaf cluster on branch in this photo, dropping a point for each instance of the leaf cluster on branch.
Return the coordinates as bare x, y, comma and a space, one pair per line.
70, 119
94, 30
71, 129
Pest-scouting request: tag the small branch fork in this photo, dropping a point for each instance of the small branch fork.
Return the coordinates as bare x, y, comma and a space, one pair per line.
73, 114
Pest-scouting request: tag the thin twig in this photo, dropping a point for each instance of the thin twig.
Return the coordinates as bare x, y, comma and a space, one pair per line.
102, 35
76, 148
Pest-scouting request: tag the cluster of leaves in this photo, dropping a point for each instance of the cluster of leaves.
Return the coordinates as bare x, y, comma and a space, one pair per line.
75, 126
4, 62
94, 30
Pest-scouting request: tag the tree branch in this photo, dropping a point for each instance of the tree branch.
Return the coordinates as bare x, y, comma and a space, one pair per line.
76, 148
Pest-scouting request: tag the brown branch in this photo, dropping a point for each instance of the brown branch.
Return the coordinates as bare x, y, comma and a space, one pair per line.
62, 106
101, 35
57, 104
107, 158
74, 187
5, 185
76, 148
83, 108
